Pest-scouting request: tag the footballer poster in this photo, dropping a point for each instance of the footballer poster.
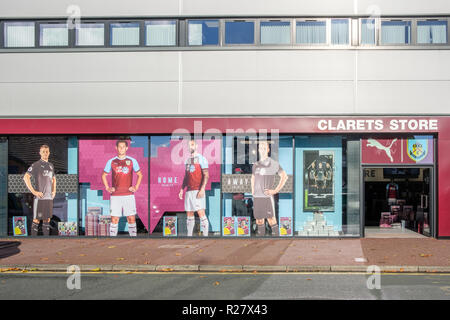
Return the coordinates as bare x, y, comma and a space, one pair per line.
20, 226
243, 226
170, 226
318, 180
228, 226
285, 226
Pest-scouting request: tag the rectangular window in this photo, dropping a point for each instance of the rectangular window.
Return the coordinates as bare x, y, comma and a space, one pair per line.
431, 32
90, 34
311, 32
275, 32
239, 32
53, 35
161, 33
395, 32
19, 34
203, 32
125, 34
340, 31
368, 31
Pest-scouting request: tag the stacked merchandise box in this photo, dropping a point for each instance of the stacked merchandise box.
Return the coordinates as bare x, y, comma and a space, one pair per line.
92, 219
104, 223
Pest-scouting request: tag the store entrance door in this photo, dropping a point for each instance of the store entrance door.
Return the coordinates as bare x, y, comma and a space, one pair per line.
398, 202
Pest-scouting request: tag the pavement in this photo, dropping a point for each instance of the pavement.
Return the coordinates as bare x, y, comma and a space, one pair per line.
224, 255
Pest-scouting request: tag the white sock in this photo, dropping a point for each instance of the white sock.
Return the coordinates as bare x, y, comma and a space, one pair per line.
204, 224
190, 226
132, 230
113, 228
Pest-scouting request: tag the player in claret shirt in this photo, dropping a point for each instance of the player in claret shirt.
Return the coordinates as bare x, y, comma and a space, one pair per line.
195, 179
122, 191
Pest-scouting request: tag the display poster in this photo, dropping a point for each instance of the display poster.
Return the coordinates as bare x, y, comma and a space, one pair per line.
20, 226
285, 226
243, 226
170, 226
228, 226
318, 185
67, 229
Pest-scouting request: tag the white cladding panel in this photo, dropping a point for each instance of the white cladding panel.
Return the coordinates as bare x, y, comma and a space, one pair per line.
116, 8
225, 82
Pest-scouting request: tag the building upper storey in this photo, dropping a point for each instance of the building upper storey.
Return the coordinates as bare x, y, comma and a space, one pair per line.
139, 8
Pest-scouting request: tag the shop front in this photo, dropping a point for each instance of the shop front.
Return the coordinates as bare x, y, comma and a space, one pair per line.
223, 177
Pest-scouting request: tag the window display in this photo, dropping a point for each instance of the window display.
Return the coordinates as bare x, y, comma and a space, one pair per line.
255, 184
185, 183
114, 185
43, 182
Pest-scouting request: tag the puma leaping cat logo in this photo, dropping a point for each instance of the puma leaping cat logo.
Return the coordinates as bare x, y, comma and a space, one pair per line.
379, 146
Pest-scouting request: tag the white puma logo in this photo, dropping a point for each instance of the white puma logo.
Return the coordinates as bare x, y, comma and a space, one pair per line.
379, 146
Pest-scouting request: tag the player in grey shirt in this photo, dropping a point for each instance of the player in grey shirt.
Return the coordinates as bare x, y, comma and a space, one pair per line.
44, 176
263, 179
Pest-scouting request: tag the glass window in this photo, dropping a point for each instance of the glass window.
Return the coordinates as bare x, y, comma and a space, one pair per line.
368, 31
114, 185
311, 32
239, 32
180, 168
203, 32
256, 211
160, 33
90, 34
275, 32
53, 35
19, 34
431, 32
125, 34
3, 187
340, 31
42, 160
395, 32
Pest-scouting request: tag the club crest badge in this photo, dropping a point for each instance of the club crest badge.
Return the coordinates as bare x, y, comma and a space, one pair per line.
417, 149
128, 162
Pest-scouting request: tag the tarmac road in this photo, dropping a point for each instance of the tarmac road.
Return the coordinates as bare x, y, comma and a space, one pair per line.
223, 286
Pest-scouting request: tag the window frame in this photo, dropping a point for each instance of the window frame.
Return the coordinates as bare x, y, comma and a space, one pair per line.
177, 33
110, 38
431, 19
327, 32
219, 36
349, 38
38, 36
105, 33
291, 35
4, 39
376, 30
255, 33
411, 36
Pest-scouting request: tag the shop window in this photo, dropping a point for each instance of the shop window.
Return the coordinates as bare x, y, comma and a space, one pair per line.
267, 208
239, 32
113, 179
432, 32
395, 32
340, 31
53, 35
35, 164
275, 32
311, 32
185, 186
160, 33
19, 34
125, 34
90, 34
203, 32
3, 186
